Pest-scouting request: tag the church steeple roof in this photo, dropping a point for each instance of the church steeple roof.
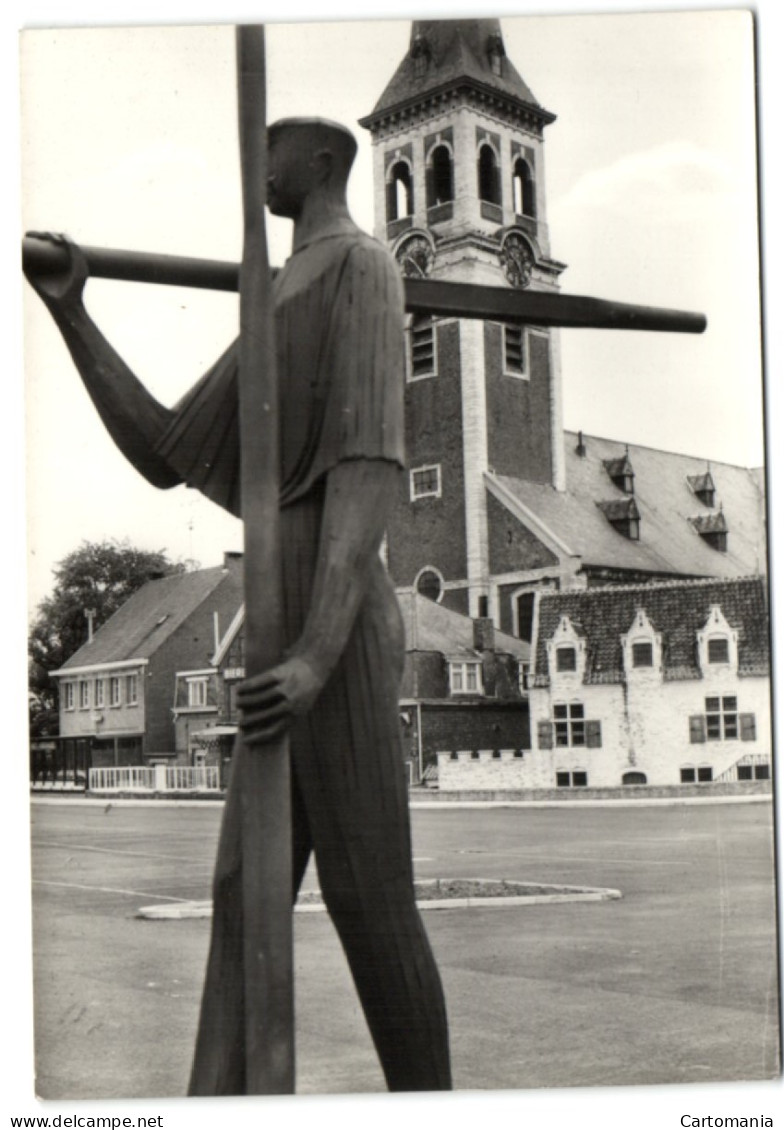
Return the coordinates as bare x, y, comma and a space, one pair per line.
446, 54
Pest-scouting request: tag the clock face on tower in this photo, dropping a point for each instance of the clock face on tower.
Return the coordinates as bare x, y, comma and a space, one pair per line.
415, 256
517, 259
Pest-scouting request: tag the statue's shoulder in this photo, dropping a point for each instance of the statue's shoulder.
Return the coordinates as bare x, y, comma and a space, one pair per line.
368, 255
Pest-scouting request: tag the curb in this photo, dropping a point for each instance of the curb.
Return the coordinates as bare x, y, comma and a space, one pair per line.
177, 911
183, 802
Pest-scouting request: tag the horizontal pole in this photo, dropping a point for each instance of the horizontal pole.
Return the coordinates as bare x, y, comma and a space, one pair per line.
46, 257
543, 308
422, 296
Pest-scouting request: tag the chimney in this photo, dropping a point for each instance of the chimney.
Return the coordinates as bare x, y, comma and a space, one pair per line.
484, 633
581, 449
89, 614
231, 557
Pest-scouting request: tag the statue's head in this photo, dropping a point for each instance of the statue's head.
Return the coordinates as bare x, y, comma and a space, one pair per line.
306, 155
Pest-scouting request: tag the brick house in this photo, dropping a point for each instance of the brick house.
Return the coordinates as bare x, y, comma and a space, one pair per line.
462, 681
659, 684
116, 692
463, 684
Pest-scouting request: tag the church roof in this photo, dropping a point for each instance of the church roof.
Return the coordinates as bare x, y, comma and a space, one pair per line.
432, 627
448, 53
677, 610
670, 540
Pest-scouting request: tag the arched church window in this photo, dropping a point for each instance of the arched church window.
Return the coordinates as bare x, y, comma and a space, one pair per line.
489, 183
400, 192
440, 180
523, 189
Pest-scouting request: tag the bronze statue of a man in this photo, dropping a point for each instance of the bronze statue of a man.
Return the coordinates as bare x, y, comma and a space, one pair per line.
339, 342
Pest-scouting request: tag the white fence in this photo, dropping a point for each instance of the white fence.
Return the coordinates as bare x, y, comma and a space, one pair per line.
155, 779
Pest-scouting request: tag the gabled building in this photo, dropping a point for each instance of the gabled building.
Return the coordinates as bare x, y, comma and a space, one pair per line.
117, 691
658, 685
499, 501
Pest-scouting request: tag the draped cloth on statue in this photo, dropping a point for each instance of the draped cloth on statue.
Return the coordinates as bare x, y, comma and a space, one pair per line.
338, 304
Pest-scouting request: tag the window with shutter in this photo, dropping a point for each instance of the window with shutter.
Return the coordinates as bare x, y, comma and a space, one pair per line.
421, 348
514, 350
748, 727
545, 735
593, 734
696, 728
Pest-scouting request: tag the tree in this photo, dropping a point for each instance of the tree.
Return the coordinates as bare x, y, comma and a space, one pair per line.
97, 577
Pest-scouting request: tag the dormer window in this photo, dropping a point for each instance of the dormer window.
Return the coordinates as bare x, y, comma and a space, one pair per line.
717, 644
642, 654
718, 649
703, 488
566, 653
566, 659
642, 648
621, 473
623, 516
712, 528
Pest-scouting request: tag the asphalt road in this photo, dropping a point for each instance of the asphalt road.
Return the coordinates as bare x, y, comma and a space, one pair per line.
676, 982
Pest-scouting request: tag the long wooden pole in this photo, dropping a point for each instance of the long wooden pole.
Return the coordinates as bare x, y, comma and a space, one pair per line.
423, 296
266, 816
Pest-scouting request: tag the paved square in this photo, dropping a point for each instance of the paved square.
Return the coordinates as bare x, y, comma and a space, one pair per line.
675, 982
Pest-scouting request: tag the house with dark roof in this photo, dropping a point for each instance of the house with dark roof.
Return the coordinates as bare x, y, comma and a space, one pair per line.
463, 685
117, 691
463, 682
659, 684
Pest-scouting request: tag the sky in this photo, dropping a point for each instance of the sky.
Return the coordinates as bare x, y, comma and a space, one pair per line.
650, 187
129, 140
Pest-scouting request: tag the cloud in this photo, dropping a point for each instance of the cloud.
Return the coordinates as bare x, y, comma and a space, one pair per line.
676, 175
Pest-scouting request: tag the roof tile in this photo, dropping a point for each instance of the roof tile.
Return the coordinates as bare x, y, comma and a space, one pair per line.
676, 609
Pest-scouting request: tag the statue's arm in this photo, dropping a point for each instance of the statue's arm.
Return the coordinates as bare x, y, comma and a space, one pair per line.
134, 418
358, 493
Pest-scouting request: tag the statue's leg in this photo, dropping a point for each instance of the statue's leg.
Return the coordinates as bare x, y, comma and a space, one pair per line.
219, 1057
356, 794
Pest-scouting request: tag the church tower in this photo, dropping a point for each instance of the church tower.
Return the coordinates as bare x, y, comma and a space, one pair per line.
458, 144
